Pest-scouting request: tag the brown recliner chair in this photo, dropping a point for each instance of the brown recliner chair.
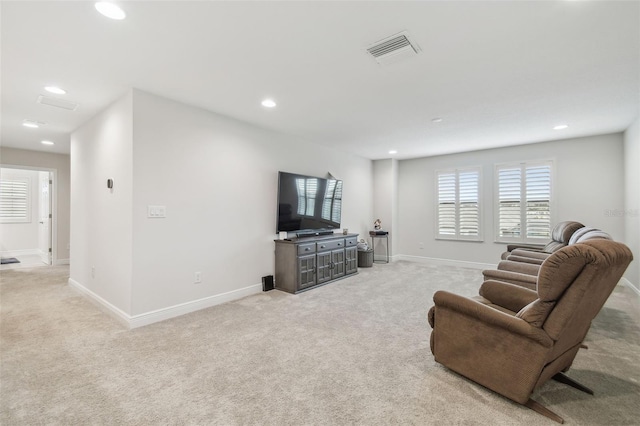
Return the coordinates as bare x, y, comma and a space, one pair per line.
583, 234
560, 236
513, 340
524, 273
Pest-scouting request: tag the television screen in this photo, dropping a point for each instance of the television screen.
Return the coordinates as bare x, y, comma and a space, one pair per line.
307, 203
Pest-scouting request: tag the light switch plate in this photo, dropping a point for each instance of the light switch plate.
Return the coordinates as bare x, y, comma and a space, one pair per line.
156, 211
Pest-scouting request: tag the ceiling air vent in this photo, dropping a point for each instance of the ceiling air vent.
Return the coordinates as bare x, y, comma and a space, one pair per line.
58, 103
393, 48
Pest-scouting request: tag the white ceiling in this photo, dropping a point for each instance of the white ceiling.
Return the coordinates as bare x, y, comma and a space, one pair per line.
498, 73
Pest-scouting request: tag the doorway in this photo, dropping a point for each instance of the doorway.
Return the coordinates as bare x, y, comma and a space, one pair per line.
26, 217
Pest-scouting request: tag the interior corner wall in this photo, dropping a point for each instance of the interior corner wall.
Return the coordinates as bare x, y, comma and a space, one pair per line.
385, 200
101, 225
632, 199
61, 163
217, 178
588, 185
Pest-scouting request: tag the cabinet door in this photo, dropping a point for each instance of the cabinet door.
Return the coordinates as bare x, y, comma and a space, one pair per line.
351, 260
337, 257
306, 271
324, 267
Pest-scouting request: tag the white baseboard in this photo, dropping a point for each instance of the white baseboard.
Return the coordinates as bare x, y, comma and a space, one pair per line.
59, 262
140, 320
625, 282
107, 307
383, 258
446, 262
16, 253
192, 306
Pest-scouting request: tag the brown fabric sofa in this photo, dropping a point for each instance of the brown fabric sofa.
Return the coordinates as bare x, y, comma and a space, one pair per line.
511, 339
560, 236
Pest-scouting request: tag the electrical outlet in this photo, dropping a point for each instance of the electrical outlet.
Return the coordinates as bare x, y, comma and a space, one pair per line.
421, 246
93, 272
197, 277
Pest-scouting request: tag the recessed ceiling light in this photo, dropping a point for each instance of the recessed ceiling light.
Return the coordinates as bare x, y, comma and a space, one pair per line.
47, 143
393, 151
269, 103
55, 89
32, 123
436, 120
110, 10
560, 127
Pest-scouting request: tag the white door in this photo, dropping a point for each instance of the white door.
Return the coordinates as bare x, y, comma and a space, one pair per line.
44, 216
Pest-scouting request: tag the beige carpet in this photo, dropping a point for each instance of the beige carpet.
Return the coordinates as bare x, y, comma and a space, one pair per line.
352, 352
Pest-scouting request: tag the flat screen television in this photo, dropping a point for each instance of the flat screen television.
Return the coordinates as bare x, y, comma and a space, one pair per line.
308, 204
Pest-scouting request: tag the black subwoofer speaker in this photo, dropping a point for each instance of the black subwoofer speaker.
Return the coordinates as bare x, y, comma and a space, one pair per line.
267, 283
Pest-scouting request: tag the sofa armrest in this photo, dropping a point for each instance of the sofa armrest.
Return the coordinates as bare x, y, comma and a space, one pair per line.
523, 280
489, 316
542, 255
510, 296
520, 267
524, 259
531, 247
528, 256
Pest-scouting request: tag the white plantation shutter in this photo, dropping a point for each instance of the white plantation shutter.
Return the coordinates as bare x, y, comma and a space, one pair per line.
509, 195
468, 203
524, 202
447, 204
15, 200
458, 212
538, 202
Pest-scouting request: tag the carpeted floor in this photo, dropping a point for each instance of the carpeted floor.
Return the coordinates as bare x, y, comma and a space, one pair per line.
354, 352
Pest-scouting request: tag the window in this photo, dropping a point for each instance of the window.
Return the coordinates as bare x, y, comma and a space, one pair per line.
524, 201
458, 212
15, 200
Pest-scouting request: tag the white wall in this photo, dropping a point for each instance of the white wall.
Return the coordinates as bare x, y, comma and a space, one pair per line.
22, 235
101, 223
61, 164
385, 204
217, 178
589, 183
632, 198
